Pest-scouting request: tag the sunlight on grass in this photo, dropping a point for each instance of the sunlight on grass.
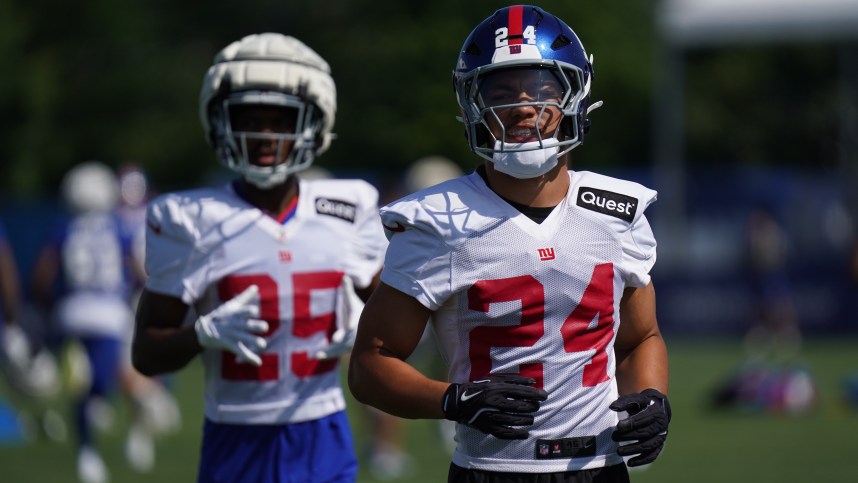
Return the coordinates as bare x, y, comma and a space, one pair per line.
704, 446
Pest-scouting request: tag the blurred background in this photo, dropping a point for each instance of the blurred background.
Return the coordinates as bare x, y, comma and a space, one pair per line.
743, 114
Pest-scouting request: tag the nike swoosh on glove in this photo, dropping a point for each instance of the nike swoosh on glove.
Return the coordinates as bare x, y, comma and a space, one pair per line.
646, 426
495, 404
233, 327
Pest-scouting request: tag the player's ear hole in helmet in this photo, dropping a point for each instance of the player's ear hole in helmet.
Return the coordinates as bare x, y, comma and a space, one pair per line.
275, 73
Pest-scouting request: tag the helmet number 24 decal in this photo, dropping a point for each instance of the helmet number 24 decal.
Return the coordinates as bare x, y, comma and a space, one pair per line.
502, 36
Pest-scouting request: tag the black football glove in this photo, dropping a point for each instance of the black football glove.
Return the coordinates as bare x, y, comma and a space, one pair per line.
494, 404
649, 415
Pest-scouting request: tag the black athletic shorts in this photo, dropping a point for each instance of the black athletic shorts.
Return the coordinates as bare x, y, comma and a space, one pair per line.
608, 474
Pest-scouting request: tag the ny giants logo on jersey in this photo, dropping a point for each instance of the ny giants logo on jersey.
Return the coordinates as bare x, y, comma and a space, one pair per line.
545, 254
336, 208
284, 256
608, 203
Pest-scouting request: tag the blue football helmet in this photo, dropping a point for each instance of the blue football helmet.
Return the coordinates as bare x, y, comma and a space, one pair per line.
524, 37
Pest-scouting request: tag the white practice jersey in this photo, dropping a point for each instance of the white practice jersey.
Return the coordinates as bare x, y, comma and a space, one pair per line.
95, 284
206, 246
514, 296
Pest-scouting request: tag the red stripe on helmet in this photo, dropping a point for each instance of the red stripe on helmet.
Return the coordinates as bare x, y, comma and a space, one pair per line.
516, 26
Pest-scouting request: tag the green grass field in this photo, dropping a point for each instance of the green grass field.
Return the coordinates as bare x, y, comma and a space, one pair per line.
703, 446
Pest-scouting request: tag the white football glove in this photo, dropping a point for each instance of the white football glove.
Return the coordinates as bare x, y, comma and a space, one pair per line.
33, 373
349, 308
233, 327
15, 346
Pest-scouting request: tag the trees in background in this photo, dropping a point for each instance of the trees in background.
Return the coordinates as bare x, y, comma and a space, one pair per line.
118, 82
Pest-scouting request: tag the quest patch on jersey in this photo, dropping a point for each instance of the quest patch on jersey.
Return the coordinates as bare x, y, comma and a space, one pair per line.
608, 203
338, 208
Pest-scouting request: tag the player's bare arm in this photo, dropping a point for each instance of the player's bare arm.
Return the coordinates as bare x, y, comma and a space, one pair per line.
640, 350
233, 326
365, 292
161, 344
10, 291
390, 328
642, 376
44, 273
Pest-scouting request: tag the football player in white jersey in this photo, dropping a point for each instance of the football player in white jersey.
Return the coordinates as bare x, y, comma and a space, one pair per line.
536, 277
265, 266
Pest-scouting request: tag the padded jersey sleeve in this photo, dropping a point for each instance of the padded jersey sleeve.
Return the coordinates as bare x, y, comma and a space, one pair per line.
634, 234
418, 259
639, 253
638, 242
170, 248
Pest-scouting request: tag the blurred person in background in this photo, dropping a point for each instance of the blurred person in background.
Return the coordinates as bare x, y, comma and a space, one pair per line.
81, 280
14, 356
774, 331
771, 377
10, 300
10, 284
255, 276
134, 193
28, 369
536, 278
28, 365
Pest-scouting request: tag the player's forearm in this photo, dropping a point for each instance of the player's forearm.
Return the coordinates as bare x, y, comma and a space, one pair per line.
395, 387
10, 299
643, 366
10, 291
158, 351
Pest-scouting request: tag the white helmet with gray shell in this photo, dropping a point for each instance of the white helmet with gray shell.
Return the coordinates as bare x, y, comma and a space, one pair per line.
274, 70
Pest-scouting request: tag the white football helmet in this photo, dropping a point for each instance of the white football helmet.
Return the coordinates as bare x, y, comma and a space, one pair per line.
429, 171
90, 187
273, 70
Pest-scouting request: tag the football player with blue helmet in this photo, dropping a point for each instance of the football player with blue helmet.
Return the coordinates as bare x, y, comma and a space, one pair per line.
536, 278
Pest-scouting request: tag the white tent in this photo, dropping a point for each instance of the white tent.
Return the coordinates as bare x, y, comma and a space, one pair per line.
720, 22
690, 24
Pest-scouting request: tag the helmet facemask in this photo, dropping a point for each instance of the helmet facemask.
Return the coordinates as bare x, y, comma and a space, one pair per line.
235, 147
525, 38
559, 88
